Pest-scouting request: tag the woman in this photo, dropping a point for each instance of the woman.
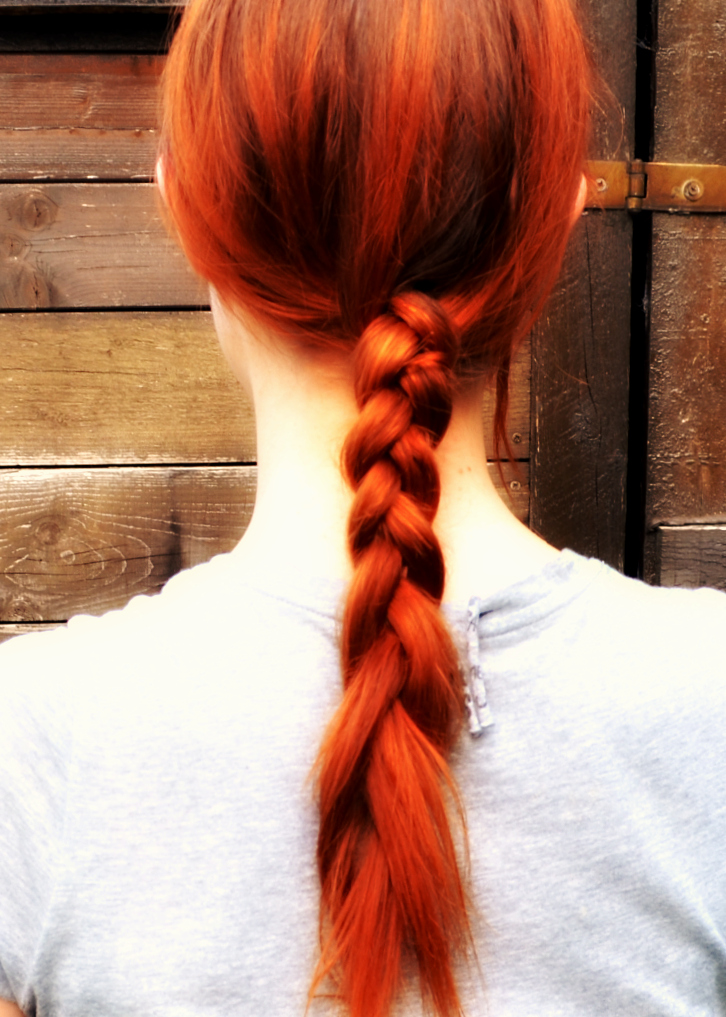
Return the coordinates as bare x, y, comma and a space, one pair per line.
379, 194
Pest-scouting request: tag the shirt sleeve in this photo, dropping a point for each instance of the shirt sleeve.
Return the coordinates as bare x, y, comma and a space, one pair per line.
35, 741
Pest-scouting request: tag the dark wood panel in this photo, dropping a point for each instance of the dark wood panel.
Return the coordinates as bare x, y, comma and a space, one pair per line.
580, 353
686, 478
580, 357
687, 425
72, 5
72, 30
77, 540
89, 245
692, 556
691, 82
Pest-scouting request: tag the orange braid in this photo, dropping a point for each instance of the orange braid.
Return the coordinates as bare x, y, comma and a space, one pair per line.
395, 179
387, 861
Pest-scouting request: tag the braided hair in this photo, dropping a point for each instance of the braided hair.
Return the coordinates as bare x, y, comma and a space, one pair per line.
392, 178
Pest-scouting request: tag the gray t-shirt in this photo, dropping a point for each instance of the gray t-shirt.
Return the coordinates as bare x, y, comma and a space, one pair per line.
158, 827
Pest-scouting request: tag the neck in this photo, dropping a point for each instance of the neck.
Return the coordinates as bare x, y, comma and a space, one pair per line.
304, 408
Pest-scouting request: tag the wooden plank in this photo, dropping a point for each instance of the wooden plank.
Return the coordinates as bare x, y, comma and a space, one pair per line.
132, 387
118, 387
70, 30
79, 540
75, 540
692, 556
73, 116
89, 245
687, 423
580, 349
580, 356
77, 154
686, 480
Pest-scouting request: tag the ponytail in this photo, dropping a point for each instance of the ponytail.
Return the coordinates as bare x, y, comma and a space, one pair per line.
387, 860
395, 179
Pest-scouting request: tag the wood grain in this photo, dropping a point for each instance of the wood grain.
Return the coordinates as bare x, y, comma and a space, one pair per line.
86, 540
580, 395
89, 245
691, 556
75, 540
686, 480
118, 387
687, 416
73, 116
580, 348
133, 387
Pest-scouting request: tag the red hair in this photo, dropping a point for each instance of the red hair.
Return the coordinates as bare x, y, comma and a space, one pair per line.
397, 178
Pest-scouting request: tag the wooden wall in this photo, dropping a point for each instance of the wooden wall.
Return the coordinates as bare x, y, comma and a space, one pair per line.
686, 476
127, 450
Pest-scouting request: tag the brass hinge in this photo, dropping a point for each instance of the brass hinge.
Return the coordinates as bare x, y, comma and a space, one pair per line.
657, 186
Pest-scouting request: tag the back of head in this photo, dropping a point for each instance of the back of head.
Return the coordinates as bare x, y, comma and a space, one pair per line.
397, 178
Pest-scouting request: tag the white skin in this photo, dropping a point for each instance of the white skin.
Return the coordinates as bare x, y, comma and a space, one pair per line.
304, 408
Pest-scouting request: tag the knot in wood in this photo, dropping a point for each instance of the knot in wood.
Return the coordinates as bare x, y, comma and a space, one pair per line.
33, 210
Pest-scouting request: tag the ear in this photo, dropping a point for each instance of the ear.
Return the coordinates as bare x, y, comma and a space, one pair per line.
580, 201
159, 174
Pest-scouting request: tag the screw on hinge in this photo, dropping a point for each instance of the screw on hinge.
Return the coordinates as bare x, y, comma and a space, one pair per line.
693, 190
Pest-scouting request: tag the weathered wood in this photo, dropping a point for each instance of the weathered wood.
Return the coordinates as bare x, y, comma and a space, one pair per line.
687, 426
70, 30
74, 116
580, 352
580, 361
691, 556
77, 154
76, 540
118, 387
686, 480
89, 245
87, 540
132, 387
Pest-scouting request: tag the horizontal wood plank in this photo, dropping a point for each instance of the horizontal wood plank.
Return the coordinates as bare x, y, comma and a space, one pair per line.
74, 116
77, 154
77, 540
118, 387
691, 556
102, 90
89, 245
134, 387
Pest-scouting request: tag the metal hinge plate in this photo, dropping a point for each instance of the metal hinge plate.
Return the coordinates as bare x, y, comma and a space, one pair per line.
657, 186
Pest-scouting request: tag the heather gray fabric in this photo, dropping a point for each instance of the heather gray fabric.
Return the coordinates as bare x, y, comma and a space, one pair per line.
157, 832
